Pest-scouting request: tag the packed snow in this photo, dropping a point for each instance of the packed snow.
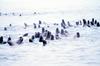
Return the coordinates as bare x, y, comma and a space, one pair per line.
66, 51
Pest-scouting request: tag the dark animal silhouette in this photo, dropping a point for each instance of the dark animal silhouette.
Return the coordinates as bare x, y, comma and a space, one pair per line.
95, 21
26, 34
69, 24
57, 36
92, 23
9, 41
39, 26
10, 25
35, 13
37, 34
88, 23
56, 24
98, 24
77, 23
20, 40
48, 26
44, 42
25, 25
48, 35
57, 31
32, 37
4, 42
43, 30
45, 33
84, 22
30, 40
20, 15
52, 37
41, 39
62, 32
77, 34
5, 28
34, 25
63, 24
40, 22
1, 39
80, 22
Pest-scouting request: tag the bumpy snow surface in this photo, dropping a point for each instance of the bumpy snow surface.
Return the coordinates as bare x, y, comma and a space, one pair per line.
67, 51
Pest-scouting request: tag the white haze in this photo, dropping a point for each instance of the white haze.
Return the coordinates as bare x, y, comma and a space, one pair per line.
48, 4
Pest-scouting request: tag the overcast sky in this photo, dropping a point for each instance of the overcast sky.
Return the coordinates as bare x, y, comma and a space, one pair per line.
48, 4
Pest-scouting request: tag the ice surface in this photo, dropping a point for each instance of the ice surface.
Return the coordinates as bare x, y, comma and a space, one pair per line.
68, 51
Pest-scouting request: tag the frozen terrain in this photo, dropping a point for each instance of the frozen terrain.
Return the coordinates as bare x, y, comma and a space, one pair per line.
67, 51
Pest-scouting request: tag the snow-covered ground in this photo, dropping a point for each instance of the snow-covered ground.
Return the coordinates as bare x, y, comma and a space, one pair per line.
67, 51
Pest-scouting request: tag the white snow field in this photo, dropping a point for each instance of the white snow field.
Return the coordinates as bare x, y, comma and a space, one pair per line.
67, 51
